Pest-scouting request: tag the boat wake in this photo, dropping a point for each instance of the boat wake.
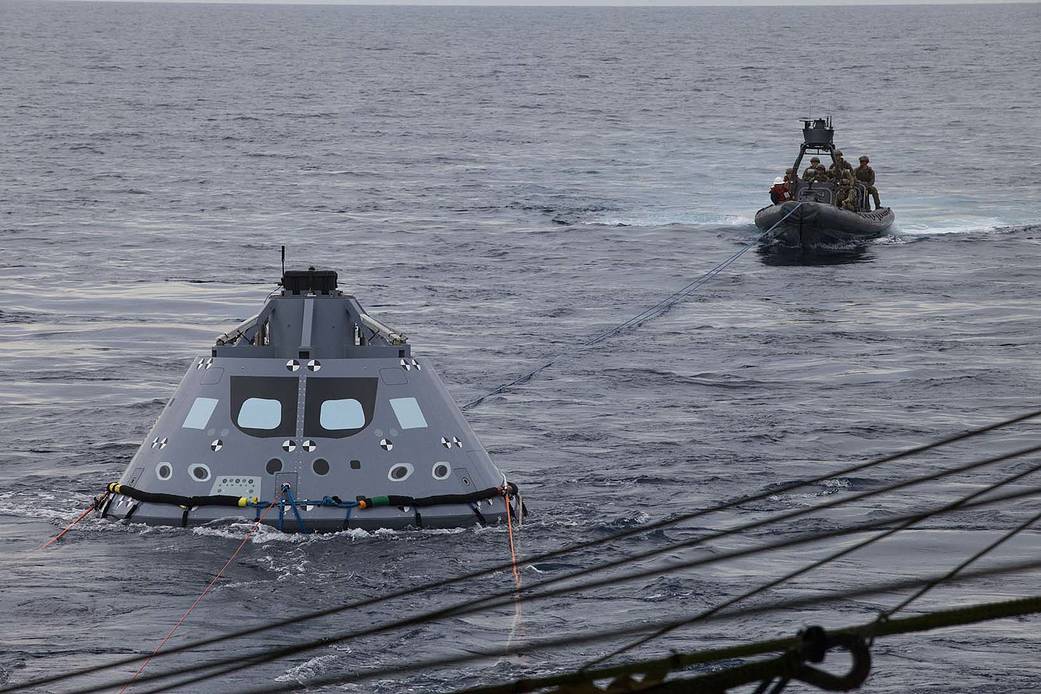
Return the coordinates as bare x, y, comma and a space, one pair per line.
955, 225
661, 218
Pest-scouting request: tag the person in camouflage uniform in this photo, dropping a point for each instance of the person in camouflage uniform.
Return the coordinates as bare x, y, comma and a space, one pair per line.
814, 171
846, 197
866, 176
838, 166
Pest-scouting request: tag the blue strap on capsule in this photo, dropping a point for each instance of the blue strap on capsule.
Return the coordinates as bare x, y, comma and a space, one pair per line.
296, 511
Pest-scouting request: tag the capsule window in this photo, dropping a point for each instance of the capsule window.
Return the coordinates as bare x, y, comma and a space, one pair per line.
408, 412
199, 413
260, 413
400, 472
338, 407
264, 406
336, 415
441, 471
164, 471
199, 472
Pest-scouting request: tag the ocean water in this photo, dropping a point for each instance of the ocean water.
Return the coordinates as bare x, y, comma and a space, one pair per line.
501, 184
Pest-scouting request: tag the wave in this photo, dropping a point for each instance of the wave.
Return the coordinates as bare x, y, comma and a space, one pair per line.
309, 669
236, 530
671, 218
952, 225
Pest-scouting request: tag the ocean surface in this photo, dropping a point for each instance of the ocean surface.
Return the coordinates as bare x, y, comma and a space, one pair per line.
502, 184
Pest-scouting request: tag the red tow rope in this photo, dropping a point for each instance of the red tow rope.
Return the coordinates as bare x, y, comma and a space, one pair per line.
509, 532
94, 506
205, 592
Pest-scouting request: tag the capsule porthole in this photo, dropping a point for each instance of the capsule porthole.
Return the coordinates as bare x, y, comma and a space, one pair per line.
441, 471
164, 471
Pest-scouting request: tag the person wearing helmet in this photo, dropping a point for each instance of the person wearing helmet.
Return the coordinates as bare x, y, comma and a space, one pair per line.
849, 202
846, 197
814, 170
866, 176
838, 165
783, 188
779, 191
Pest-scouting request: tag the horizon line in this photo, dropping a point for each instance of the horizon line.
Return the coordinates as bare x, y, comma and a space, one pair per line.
592, 4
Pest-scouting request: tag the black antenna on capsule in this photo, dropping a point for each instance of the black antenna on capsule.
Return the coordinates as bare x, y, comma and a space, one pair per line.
283, 260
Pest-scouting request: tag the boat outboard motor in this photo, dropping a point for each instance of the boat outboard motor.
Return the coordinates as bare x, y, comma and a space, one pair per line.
316, 407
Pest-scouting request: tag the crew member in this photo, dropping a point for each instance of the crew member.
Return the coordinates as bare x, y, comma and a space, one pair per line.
846, 197
814, 170
782, 187
838, 165
866, 175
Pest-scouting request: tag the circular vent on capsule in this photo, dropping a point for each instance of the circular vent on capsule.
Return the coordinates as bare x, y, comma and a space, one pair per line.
400, 472
199, 472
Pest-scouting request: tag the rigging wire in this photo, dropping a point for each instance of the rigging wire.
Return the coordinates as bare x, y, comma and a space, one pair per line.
642, 317
462, 609
835, 556
195, 679
206, 591
576, 547
962, 566
958, 616
478, 605
879, 629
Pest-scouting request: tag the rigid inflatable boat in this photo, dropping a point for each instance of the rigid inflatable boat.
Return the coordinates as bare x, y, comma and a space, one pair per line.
808, 218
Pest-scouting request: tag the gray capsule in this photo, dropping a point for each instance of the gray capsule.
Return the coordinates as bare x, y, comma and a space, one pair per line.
307, 391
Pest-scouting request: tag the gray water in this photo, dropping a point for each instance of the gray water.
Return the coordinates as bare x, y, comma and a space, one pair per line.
502, 184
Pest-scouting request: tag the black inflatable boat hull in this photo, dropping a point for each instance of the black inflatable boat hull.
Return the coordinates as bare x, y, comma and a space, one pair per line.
816, 226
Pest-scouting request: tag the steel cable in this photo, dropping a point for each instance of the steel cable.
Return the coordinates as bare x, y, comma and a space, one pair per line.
962, 566
481, 605
838, 555
926, 622
666, 522
642, 317
571, 640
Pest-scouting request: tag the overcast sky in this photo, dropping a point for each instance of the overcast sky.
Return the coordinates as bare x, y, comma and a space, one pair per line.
595, 3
